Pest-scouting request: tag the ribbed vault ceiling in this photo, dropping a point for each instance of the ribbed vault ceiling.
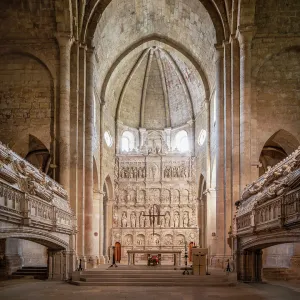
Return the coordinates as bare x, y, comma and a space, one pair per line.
155, 87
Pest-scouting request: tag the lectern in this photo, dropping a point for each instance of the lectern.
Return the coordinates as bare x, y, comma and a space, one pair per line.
199, 256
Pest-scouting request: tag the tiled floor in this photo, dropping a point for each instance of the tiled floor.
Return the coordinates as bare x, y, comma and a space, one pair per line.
49, 290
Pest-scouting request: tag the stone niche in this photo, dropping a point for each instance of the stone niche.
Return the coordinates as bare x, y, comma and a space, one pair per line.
154, 181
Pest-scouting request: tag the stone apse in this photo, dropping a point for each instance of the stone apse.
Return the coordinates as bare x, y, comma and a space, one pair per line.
154, 180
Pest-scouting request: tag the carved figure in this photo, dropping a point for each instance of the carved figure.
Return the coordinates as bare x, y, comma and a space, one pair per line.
124, 220
133, 219
167, 219
115, 219
162, 222
168, 240
186, 219
176, 220
142, 219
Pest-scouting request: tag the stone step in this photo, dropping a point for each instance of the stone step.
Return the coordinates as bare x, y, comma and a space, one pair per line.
154, 283
140, 279
32, 272
280, 274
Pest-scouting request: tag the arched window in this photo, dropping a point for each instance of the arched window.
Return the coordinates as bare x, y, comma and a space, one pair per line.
202, 137
127, 141
108, 139
182, 142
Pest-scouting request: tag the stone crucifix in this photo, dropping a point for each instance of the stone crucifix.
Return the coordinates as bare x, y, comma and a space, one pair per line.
152, 215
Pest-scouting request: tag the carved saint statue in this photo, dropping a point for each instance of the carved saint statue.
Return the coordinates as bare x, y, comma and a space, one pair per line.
142, 219
115, 219
124, 220
133, 219
162, 222
167, 219
176, 220
186, 219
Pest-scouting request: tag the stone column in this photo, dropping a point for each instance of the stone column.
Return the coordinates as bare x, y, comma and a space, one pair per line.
65, 43
50, 264
211, 222
96, 224
101, 228
235, 120
109, 212
89, 126
228, 148
245, 35
81, 153
220, 204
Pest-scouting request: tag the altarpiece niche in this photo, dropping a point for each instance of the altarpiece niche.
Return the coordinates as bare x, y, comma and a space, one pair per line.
152, 180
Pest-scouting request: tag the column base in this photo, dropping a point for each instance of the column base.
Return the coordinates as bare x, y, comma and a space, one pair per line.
13, 263
91, 261
295, 262
102, 260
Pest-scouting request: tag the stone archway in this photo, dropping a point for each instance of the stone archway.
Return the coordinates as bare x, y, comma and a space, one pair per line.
27, 248
276, 148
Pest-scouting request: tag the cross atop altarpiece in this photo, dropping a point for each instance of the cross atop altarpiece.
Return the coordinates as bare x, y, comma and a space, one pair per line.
152, 215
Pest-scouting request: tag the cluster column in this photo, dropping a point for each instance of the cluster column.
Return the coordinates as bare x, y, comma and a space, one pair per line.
220, 203
245, 35
89, 126
65, 43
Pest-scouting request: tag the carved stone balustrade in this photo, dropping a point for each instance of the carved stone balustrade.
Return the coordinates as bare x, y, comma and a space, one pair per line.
268, 214
35, 207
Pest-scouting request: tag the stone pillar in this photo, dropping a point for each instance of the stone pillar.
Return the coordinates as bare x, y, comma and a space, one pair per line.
235, 119
65, 43
245, 35
50, 264
220, 204
228, 148
96, 224
81, 153
89, 125
101, 229
109, 212
258, 264
57, 265
295, 259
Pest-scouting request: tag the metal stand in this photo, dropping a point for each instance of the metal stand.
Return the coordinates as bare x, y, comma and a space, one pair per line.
185, 272
113, 259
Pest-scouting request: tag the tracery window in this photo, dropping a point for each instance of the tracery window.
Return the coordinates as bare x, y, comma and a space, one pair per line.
127, 141
182, 141
108, 139
202, 137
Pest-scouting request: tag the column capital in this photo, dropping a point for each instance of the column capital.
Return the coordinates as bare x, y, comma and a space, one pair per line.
83, 46
64, 40
232, 38
219, 53
245, 34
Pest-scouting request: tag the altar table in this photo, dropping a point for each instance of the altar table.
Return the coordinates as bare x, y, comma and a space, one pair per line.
176, 253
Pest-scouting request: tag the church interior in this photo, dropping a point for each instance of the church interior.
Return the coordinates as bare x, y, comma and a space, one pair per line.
138, 127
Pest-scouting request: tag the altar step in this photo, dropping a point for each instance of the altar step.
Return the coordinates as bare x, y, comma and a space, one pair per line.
149, 278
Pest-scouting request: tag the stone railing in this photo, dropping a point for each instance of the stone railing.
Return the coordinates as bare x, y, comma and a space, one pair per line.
31, 198
272, 201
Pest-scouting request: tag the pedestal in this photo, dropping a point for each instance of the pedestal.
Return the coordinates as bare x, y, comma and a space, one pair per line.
199, 256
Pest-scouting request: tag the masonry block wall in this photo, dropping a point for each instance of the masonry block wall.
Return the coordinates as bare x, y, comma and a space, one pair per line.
26, 102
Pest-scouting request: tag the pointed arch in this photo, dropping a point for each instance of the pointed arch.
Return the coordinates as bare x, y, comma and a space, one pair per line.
281, 144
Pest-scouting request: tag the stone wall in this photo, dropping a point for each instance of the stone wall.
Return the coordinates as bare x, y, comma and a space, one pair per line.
26, 102
33, 254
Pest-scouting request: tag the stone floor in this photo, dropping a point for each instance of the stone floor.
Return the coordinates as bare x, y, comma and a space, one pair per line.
50, 290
